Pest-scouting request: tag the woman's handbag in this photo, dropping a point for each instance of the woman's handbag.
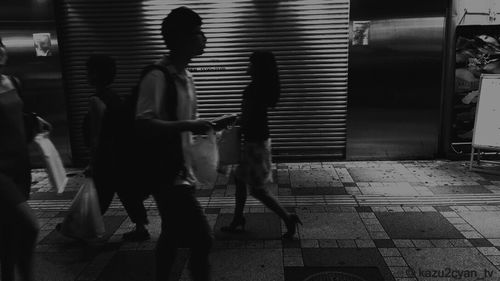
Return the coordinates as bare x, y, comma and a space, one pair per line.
205, 157
53, 162
84, 220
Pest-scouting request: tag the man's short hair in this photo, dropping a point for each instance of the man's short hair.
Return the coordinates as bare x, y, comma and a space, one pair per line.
180, 22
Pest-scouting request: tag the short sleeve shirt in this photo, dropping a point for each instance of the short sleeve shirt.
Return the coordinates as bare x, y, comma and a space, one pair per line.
151, 104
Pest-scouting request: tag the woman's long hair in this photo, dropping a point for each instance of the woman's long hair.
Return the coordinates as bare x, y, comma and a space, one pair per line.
265, 76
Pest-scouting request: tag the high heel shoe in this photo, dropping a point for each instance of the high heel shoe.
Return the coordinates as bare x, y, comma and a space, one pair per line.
291, 226
233, 226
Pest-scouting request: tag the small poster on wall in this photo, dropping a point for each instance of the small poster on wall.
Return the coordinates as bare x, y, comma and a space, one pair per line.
42, 44
360, 31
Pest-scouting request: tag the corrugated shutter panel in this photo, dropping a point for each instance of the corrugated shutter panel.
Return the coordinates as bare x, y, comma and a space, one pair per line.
309, 38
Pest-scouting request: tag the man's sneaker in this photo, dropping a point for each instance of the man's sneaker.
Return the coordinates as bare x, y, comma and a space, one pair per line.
136, 235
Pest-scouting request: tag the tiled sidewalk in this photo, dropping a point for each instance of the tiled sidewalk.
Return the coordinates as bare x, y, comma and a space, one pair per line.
409, 220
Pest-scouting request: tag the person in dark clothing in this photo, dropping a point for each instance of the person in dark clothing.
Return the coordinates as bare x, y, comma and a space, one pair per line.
254, 169
109, 139
165, 122
18, 223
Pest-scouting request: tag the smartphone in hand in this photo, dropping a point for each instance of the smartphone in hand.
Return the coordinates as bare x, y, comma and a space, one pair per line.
224, 121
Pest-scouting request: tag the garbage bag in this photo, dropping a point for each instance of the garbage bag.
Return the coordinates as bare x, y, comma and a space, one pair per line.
53, 162
84, 219
229, 145
205, 157
465, 81
493, 67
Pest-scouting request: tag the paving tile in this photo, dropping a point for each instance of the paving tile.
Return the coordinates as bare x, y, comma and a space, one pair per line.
389, 252
333, 273
471, 189
367, 215
374, 227
464, 227
429, 259
494, 260
388, 174
461, 243
365, 243
309, 243
259, 226
427, 209
287, 243
422, 243
52, 266
384, 243
395, 261
495, 242
328, 243
259, 264
403, 243
443, 208
456, 220
346, 243
400, 271
363, 209
471, 234
292, 261
486, 223
442, 243
411, 209
318, 191
379, 235
272, 244
371, 222
425, 225
366, 257
489, 251
292, 252
332, 226
395, 209
480, 242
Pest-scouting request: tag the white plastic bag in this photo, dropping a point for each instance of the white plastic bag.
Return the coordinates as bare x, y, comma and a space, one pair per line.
53, 162
205, 157
84, 219
229, 145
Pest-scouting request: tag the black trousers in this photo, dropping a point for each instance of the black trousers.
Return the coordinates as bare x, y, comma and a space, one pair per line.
131, 195
184, 225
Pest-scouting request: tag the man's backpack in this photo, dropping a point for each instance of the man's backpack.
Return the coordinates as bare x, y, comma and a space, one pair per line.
155, 158
130, 102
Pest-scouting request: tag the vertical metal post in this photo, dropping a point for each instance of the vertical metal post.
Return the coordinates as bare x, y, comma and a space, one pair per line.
471, 158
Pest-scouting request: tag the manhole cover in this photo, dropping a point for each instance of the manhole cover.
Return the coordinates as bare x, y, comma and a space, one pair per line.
333, 276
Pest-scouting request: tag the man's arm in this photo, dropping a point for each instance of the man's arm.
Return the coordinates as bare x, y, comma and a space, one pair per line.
151, 110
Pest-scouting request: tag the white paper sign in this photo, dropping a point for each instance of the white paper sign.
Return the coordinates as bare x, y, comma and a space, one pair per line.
487, 123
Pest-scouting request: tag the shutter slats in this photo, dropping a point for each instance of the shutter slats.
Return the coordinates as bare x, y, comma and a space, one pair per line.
309, 39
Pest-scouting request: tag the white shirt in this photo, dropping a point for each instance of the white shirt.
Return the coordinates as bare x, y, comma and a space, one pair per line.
151, 105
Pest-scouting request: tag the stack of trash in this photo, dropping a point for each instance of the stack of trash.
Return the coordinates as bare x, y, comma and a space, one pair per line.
474, 56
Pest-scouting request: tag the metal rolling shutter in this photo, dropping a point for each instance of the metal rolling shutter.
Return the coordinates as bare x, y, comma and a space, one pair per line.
309, 38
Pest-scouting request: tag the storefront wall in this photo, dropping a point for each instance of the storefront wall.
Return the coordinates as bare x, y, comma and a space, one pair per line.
22, 22
472, 49
309, 38
395, 76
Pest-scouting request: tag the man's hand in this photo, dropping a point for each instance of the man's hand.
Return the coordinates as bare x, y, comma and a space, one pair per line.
200, 126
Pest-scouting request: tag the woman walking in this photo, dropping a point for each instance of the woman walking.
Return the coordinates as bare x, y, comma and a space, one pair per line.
18, 223
254, 169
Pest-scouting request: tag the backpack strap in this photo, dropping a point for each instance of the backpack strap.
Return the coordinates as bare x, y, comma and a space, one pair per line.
16, 83
170, 89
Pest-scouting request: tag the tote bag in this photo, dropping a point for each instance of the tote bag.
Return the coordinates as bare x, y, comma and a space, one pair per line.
84, 220
53, 162
205, 157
